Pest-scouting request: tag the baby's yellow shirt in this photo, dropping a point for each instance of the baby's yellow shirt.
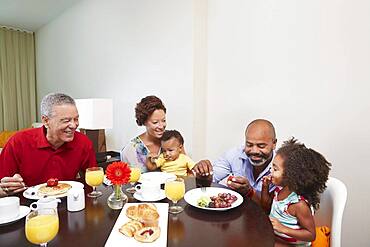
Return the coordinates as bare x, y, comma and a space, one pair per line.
179, 167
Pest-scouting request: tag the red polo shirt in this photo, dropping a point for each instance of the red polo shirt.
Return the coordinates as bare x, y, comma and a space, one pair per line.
30, 154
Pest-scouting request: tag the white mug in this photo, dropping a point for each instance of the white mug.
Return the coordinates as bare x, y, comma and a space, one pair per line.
148, 190
9, 208
75, 199
48, 202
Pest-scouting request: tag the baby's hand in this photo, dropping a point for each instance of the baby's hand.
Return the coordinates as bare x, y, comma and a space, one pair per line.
152, 157
277, 225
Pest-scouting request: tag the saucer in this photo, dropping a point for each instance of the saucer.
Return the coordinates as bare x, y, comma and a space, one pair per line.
23, 211
161, 196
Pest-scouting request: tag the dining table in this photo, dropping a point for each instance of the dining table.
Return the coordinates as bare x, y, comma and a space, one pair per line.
245, 225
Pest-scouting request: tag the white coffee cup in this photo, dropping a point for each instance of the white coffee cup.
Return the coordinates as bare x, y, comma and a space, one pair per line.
48, 202
75, 199
9, 208
148, 190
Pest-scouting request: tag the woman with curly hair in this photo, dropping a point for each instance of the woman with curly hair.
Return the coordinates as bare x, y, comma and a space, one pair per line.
151, 113
300, 175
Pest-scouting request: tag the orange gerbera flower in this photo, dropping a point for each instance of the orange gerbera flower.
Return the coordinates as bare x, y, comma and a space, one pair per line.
118, 172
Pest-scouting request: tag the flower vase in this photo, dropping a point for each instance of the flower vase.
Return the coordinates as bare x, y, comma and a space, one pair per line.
117, 199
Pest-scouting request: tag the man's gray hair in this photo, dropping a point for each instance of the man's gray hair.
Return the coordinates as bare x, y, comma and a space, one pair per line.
54, 99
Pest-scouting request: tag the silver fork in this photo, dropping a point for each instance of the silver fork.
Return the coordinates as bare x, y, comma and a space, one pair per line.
203, 189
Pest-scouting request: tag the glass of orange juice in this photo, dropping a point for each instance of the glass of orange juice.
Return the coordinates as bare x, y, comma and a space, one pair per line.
134, 177
94, 177
42, 226
175, 190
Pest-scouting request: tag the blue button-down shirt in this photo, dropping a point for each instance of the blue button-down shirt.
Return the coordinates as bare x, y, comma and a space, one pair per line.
236, 162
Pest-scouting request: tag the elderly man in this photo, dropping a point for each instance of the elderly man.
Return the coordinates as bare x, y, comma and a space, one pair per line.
55, 150
242, 168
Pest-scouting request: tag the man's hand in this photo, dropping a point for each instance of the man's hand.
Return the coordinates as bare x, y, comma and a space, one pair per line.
12, 185
240, 184
203, 168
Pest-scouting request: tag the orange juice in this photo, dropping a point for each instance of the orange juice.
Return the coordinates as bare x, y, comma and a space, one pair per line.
42, 228
94, 177
174, 190
135, 174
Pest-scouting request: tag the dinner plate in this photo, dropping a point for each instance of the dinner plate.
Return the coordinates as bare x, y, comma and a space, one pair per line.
31, 192
156, 177
193, 195
23, 211
161, 196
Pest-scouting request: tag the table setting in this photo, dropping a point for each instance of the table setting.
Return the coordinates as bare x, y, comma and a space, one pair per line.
183, 218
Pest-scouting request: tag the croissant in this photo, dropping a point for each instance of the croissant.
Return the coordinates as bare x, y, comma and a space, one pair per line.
130, 228
142, 211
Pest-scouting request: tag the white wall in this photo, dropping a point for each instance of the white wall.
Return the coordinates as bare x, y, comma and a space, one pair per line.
123, 50
302, 64
305, 66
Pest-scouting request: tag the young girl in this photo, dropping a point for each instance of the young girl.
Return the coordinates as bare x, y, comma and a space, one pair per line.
172, 159
300, 175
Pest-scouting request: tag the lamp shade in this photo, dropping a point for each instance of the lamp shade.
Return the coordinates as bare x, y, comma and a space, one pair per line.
95, 113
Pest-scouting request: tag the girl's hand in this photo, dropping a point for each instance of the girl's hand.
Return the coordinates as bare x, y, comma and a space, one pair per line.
266, 181
266, 197
277, 225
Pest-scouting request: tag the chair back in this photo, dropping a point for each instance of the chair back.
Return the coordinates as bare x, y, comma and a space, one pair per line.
330, 213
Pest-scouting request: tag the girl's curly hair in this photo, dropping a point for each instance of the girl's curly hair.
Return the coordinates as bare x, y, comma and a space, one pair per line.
146, 107
305, 170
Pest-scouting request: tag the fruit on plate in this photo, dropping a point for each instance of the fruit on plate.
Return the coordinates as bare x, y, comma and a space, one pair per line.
203, 201
230, 179
52, 182
222, 200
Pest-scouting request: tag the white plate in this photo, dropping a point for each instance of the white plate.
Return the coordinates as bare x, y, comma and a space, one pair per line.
193, 195
118, 239
161, 196
23, 211
156, 177
28, 192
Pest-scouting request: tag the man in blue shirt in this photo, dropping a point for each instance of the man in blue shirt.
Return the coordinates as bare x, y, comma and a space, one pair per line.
242, 168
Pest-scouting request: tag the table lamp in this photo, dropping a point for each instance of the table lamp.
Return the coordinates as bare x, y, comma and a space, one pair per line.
96, 115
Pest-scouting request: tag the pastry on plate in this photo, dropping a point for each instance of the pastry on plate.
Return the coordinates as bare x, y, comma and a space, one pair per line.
58, 189
136, 212
129, 228
147, 234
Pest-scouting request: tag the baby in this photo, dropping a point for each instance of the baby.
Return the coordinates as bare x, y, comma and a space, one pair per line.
172, 159
300, 175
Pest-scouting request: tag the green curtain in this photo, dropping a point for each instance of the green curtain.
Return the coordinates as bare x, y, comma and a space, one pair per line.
17, 79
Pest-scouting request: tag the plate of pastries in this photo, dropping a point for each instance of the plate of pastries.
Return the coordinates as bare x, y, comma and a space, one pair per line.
140, 223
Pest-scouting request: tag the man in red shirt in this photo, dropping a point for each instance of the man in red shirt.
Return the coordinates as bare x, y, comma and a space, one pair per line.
55, 150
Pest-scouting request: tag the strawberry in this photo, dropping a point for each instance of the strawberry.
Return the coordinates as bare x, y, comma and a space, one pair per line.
230, 179
52, 182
